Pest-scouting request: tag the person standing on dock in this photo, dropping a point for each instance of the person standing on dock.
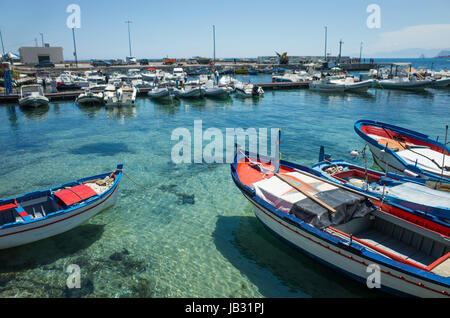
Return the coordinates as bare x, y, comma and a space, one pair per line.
216, 76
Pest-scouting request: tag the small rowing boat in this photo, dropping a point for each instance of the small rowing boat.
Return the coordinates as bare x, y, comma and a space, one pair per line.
41, 214
345, 230
405, 151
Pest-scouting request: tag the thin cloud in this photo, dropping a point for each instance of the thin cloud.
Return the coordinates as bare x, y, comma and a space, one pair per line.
427, 36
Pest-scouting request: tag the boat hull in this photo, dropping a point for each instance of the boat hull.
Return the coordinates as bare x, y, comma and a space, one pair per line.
413, 85
192, 93
33, 102
354, 265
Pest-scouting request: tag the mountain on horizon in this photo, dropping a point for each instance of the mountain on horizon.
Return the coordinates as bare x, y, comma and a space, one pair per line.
408, 53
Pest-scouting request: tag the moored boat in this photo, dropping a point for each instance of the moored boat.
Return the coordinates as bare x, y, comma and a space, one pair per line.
41, 214
89, 97
160, 93
188, 92
344, 230
248, 90
32, 96
412, 193
405, 151
212, 90
404, 83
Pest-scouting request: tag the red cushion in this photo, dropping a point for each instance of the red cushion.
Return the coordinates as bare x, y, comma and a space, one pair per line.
76, 194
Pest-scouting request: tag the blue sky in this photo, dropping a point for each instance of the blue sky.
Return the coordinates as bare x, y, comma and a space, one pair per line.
243, 28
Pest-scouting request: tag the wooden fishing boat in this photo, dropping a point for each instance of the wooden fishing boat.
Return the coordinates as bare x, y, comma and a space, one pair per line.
344, 230
405, 151
41, 214
412, 193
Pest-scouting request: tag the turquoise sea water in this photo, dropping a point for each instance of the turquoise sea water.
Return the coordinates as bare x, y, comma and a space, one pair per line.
193, 234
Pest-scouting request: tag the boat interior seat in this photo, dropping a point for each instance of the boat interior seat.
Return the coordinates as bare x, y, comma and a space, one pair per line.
7, 216
410, 242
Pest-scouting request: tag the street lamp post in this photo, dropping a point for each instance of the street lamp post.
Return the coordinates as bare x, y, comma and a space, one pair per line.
129, 36
75, 47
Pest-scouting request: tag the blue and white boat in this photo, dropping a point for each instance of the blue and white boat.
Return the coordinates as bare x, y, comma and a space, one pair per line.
405, 191
405, 151
41, 214
344, 230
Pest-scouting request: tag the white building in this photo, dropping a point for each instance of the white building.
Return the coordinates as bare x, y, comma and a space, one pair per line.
36, 54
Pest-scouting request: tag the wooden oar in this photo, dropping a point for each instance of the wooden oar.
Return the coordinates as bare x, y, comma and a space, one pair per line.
292, 184
336, 184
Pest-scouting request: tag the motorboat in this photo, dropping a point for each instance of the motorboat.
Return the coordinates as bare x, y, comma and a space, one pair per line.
248, 90
352, 84
405, 151
42, 214
126, 95
212, 90
188, 92
403, 82
159, 93
327, 85
32, 96
110, 97
90, 97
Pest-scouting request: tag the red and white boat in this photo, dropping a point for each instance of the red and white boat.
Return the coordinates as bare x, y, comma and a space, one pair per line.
345, 230
41, 214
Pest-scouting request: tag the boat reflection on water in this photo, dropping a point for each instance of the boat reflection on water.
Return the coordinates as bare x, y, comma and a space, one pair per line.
90, 111
121, 112
169, 107
35, 113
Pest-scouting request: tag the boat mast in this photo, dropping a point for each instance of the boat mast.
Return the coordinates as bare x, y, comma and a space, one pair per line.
1, 39
214, 44
74, 47
325, 53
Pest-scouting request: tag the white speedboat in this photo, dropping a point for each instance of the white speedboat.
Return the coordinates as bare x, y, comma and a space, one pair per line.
327, 85
89, 97
211, 90
301, 76
404, 83
188, 92
32, 96
248, 90
351, 84
160, 93
110, 97
127, 95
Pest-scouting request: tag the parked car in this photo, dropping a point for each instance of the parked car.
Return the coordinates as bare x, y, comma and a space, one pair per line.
99, 63
45, 64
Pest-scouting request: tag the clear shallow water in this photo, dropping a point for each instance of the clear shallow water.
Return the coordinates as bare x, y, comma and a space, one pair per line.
193, 234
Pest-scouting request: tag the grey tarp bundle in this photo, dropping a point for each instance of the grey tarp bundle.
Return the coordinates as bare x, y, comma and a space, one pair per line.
348, 205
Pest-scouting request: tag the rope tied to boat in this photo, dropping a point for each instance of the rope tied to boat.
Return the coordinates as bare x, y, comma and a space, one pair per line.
136, 183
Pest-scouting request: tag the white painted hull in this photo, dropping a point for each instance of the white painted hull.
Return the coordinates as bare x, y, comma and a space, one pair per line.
33, 101
90, 99
359, 86
217, 92
326, 87
35, 231
407, 85
443, 82
162, 93
352, 264
191, 93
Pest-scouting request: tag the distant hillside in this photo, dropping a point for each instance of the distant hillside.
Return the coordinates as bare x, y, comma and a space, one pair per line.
443, 53
407, 53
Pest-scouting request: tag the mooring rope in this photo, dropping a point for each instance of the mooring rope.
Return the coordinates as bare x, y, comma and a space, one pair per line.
136, 183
